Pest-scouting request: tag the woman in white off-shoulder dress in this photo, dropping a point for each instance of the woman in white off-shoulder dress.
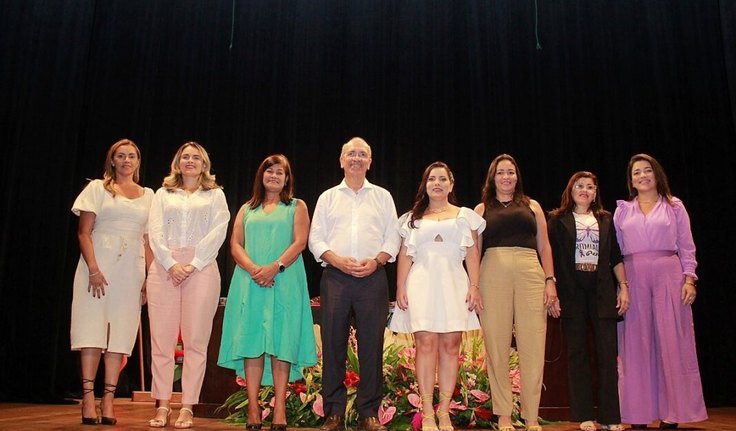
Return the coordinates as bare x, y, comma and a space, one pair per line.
106, 305
436, 298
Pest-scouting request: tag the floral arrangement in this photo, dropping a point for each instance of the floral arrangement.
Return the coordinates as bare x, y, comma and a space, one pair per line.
400, 409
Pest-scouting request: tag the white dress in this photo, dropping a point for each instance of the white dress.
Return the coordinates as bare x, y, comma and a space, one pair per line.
437, 283
117, 236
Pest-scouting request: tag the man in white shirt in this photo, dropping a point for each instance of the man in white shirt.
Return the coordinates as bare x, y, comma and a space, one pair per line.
354, 234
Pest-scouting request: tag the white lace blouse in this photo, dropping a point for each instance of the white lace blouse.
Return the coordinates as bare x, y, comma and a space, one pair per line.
181, 220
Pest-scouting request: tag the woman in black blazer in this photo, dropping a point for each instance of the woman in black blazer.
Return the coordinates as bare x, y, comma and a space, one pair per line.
585, 250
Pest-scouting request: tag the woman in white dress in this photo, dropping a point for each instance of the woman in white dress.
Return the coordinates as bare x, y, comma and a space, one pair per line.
187, 226
106, 305
436, 298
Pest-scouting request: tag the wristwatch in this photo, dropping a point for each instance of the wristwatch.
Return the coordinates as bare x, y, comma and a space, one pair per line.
551, 277
281, 265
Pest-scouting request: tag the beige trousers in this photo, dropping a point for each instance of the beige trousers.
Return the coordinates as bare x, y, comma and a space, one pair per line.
512, 288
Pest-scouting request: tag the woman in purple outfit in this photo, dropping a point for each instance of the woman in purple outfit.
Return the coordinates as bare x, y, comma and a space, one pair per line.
659, 376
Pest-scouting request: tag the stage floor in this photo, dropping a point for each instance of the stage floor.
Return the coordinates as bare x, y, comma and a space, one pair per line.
134, 416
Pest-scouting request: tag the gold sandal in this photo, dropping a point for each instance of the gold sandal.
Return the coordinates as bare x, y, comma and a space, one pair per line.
445, 396
428, 415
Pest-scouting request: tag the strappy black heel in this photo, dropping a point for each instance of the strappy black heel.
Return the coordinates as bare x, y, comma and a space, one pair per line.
85, 391
109, 390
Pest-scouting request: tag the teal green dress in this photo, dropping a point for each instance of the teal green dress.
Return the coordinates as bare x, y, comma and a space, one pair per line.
276, 321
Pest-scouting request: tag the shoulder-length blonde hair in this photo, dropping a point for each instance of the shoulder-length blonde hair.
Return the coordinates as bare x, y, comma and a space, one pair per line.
206, 180
108, 174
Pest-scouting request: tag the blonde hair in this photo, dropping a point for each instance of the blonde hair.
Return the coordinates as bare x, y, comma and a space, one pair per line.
206, 180
108, 174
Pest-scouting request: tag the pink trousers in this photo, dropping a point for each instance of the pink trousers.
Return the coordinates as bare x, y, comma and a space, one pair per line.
191, 306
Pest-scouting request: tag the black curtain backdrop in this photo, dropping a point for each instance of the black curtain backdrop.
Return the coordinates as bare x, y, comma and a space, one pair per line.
459, 81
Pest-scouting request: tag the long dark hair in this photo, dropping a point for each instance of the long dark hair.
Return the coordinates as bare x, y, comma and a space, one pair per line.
489, 187
421, 201
567, 204
663, 186
259, 191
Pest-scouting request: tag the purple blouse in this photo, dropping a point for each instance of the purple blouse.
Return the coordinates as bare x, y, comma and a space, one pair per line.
665, 228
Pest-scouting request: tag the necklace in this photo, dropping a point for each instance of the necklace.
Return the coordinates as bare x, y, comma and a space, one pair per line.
437, 211
506, 204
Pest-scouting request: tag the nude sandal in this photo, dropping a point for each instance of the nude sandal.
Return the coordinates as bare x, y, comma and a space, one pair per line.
160, 423
588, 426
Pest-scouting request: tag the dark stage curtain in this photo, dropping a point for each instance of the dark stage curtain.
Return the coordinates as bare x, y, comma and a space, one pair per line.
459, 81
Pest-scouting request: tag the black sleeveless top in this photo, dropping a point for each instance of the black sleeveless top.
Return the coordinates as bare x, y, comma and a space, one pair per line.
512, 226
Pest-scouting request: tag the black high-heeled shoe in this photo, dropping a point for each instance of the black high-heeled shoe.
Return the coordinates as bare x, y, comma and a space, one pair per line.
109, 390
85, 391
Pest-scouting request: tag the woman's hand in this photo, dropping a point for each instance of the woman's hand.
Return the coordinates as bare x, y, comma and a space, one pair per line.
97, 283
550, 299
688, 293
622, 300
144, 299
179, 273
402, 301
264, 275
473, 299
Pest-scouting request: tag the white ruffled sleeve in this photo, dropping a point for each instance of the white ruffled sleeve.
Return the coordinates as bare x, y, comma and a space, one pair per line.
91, 198
469, 221
407, 235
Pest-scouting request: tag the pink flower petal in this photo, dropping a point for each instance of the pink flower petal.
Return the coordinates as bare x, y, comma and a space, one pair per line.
385, 415
480, 395
318, 406
416, 421
414, 400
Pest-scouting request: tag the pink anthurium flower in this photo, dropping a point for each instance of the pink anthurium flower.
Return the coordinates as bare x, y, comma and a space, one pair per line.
480, 395
318, 407
386, 414
414, 400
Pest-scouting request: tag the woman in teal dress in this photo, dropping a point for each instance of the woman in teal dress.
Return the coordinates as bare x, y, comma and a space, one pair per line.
267, 311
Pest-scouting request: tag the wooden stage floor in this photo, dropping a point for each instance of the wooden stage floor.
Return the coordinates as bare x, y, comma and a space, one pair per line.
135, 415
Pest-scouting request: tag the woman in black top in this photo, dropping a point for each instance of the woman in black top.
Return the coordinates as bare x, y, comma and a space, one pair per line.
585, 250
517, 291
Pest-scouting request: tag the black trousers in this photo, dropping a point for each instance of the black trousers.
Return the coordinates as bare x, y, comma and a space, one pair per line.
579, 371
367, 298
